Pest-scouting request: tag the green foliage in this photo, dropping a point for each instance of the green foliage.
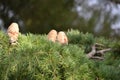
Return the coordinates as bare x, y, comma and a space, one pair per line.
36, 58
83, 40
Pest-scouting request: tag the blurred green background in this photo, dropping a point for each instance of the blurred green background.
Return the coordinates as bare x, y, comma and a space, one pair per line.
100, 17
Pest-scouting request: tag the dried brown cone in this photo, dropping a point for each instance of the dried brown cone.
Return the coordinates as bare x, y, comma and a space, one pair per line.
62, 38
52, 35
13, 32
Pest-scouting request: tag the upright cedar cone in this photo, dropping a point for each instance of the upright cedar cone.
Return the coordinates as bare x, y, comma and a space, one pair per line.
52, 35
62, 38
13, 32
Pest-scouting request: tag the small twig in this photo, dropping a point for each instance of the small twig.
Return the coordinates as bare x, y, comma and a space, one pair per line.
92, 53
96, 57
103, 51
98, 44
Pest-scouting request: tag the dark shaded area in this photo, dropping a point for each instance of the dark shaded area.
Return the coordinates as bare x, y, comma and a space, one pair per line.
41, 16
115, 1
38, 16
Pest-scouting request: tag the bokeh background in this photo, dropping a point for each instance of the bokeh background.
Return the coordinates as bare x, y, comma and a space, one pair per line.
100, 17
